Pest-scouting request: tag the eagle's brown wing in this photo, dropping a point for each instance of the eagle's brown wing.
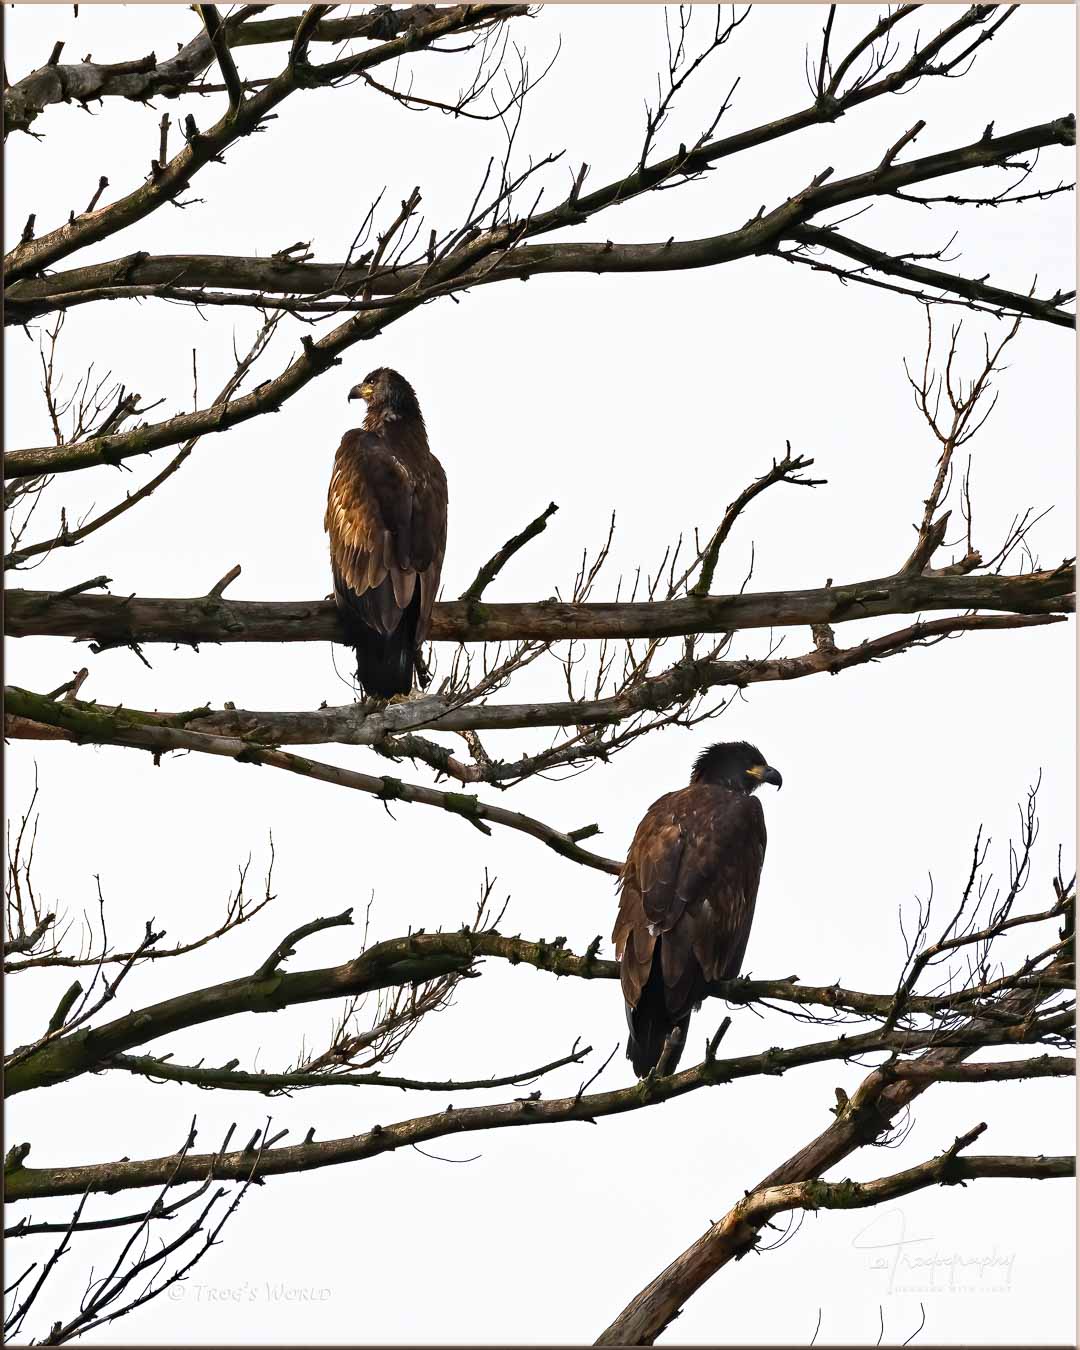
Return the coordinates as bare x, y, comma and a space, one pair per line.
386, 518
688, 888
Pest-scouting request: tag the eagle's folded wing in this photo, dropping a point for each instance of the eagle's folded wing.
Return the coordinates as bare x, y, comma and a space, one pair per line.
691, 878
387, 528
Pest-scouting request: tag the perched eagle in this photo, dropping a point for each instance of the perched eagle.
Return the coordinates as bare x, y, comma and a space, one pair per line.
386, 518
687, 896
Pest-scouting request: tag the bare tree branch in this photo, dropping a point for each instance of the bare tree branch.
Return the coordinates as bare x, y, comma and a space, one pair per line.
423, 956
124, 728
216, 33
69, 538
954, 1001
119, 620
203, 147
143, 78
860, 1119
494, 565
33, 717
23, 1183
758, 235
273, 1084
970, 288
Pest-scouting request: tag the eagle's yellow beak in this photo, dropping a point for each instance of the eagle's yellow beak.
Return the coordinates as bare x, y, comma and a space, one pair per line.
363, 391
765, 773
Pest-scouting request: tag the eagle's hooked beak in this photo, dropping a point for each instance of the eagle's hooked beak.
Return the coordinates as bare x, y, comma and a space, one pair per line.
359, 391
765, 773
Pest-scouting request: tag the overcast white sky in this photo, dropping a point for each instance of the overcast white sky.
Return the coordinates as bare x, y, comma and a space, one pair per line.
658, 397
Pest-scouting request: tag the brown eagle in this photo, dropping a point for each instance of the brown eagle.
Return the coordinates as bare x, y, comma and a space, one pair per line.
386, 518
687, 897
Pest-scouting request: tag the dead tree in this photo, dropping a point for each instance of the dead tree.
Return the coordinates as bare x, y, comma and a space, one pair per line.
660, 652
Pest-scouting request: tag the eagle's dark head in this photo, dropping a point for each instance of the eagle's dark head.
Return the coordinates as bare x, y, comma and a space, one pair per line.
735, 765
387, 394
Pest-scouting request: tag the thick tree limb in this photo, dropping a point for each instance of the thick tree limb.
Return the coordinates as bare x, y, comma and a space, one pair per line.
143, 78
23, 1183
407, 960
43, 296
118, 620
834, 998
38, 295
997, 1071
946, 1170
861, 1119
424, 956
146, 78
390, 729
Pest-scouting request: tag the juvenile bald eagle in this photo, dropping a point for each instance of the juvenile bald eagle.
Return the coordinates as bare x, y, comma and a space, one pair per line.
386, 517
687, 896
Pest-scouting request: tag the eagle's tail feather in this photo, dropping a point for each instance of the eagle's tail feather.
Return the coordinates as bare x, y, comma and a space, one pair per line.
384, 664
650, 1026
384, 661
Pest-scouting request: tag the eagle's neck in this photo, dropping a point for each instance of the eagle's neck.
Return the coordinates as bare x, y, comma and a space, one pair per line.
406, 431
737, 789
